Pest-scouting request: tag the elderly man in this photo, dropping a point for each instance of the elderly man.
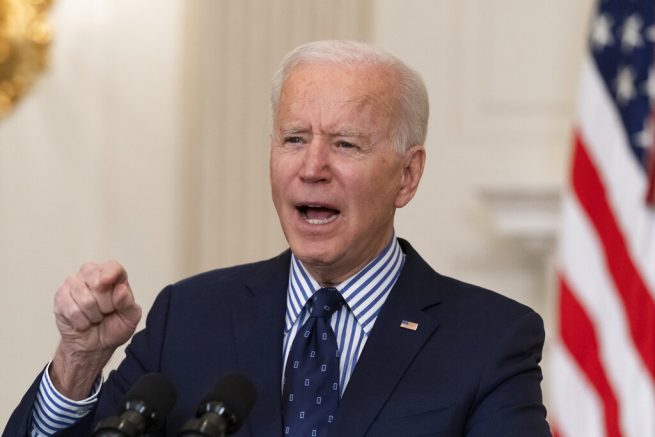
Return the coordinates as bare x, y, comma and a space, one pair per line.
350, 332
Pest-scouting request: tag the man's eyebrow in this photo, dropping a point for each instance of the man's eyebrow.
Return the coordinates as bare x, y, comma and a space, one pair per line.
299, 129
347, 133
293, 129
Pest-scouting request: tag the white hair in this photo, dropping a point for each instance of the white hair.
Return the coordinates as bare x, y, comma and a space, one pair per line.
410, 122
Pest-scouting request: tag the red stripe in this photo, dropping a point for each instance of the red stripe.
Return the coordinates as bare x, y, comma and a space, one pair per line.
579, 337
637, 301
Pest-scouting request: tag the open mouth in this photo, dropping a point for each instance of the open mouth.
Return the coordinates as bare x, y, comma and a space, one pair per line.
317, 214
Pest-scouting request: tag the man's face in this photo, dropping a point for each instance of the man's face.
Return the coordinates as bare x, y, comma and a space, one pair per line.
336, 179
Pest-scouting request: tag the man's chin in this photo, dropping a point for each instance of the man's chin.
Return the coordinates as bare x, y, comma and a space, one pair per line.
314, 259
318, 254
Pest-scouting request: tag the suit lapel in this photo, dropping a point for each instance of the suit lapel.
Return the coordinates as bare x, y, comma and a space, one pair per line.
258, 318
390, 348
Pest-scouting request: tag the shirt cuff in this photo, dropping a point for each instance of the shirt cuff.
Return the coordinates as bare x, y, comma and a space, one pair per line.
53, 412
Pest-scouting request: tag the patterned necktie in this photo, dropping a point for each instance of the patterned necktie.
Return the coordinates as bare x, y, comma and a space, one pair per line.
311, 378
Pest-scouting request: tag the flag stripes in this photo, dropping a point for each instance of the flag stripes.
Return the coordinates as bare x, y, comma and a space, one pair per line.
584, 269
623, 178
579, 336
603, 356
636, 299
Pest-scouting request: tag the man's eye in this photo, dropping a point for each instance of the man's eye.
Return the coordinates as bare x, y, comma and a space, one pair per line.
346, 145
293, 140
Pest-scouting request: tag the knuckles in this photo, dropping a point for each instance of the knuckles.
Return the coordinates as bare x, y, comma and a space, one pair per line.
95, 307
89, 267
95, 292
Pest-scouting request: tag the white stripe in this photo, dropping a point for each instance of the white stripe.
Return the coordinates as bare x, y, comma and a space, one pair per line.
357, 352
46, 420
295, 303
294, 300
352, 294
584, 268
576, 408
40, 429
603, 132
296, 297
41, 422
61, 411
349, 356
379, 300
307, 287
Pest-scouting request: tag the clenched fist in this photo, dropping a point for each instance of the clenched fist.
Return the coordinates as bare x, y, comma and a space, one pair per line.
95, 313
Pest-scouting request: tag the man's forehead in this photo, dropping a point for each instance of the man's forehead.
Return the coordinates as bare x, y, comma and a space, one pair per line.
351, 96
349, 120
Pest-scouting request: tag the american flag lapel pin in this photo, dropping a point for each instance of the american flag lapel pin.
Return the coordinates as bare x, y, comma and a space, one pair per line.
406, 324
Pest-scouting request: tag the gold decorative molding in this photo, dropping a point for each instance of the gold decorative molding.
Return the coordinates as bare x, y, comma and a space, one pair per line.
24, 39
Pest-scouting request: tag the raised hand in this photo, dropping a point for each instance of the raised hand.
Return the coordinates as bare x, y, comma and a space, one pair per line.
95, 313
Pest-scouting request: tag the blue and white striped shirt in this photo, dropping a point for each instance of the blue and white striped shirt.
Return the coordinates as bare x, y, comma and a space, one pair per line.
53, 412
364, 294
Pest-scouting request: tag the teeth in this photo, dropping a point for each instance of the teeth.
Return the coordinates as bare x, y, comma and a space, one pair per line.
320, 221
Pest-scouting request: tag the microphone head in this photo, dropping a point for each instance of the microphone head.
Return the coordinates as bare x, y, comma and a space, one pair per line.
152, 396
238, 395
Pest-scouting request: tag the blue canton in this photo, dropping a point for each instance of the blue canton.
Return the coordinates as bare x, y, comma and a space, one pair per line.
623, 46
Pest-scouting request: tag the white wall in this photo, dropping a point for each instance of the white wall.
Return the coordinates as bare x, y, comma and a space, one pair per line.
501, 76
89, 170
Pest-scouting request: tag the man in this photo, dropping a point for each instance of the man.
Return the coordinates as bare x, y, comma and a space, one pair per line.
417, 353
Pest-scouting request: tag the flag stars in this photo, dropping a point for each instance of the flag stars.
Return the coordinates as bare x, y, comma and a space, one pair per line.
650, 33
645, 138
649, 85
601, 32
625, 85
631, 33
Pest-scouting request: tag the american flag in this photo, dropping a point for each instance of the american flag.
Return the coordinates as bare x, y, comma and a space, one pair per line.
603, 357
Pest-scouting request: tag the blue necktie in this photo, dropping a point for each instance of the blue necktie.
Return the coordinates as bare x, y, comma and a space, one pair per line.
311, 378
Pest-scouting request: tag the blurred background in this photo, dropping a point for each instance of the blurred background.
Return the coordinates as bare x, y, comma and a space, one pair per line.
145, 140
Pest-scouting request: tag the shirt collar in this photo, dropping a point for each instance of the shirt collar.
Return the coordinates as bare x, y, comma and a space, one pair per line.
363, 292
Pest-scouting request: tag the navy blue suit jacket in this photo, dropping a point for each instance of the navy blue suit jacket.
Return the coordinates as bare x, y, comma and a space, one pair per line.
470, 369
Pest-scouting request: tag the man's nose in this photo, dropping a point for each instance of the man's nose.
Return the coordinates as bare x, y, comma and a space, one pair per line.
316, 161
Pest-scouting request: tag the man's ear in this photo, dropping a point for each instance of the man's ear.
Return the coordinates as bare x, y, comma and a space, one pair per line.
413, 163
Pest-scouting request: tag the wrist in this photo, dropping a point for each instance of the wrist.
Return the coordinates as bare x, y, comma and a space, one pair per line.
73, 373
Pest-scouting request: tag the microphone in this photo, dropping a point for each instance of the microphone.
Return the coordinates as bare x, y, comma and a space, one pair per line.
223, 410
143, 408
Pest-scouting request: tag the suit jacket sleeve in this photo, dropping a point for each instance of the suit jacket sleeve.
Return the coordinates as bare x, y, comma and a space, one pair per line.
508, 402
18, 424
